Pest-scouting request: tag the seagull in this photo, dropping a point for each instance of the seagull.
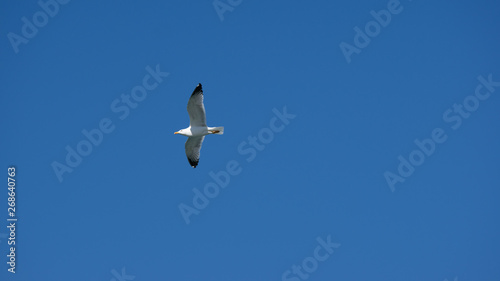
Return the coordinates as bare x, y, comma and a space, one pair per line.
197, 129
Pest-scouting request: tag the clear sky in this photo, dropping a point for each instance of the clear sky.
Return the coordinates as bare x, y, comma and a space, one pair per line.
361, 140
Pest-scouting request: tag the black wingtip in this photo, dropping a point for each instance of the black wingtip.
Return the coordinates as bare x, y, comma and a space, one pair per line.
193, 163
197, 90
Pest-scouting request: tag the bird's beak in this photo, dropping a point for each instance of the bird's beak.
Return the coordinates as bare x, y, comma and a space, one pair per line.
176, 133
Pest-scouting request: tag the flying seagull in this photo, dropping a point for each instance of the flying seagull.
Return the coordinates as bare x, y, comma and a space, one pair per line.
197, 129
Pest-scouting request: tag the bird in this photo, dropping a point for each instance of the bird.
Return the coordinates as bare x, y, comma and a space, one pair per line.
198, 128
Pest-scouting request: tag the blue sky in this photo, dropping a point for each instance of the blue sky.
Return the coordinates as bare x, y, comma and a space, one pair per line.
375, 161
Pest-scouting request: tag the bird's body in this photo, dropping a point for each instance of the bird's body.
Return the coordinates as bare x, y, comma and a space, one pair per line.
200, 131
198, 128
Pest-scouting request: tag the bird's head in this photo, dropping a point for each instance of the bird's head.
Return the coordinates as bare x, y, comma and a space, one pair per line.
180, 132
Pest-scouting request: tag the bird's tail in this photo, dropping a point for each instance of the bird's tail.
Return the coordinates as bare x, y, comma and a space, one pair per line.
216, 130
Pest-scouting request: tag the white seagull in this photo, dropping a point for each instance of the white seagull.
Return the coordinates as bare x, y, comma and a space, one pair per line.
197, 129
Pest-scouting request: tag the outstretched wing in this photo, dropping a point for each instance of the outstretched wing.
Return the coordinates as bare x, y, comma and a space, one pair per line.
193, 147
196, 109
